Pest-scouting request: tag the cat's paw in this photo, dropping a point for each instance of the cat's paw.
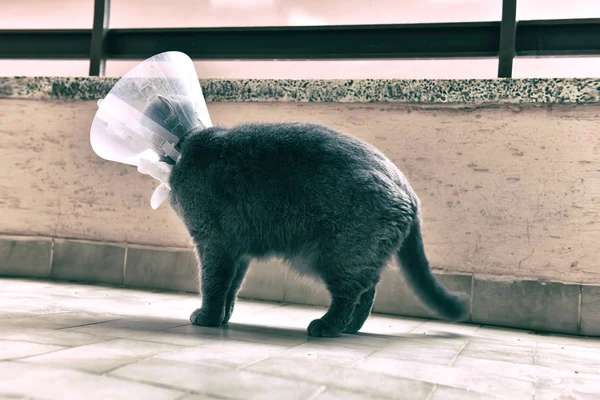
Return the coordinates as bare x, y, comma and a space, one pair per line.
320, 328
202, 318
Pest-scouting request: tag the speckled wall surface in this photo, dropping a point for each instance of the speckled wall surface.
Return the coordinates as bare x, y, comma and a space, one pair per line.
414, 91
507, 190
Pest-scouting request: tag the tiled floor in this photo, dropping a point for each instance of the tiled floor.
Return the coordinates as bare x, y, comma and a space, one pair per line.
71, 341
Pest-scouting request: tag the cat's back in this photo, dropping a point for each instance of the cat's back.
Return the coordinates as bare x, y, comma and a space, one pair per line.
276, 143
272, 185
291, 157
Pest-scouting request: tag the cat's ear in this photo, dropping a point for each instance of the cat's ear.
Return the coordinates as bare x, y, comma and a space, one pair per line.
169, 110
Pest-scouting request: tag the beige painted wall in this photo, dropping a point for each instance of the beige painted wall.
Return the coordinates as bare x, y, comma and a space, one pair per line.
505, 191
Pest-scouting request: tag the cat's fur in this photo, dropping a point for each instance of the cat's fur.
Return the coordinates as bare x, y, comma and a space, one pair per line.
333, 206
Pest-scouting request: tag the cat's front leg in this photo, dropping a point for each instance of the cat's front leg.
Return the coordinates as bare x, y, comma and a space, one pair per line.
217, 271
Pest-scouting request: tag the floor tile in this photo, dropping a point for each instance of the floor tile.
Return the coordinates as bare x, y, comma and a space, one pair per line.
148, 335
342, 354
141, 324
60, 320
423, 351
49, 336
246, 333
228, 353
539, 337
374, 341
566, 393
42, 382
506, 369
336, 394
288, 317
516, 351
217, 381
391, 326
449, 393
567, 357
10, 349
348, 379
70, 335
446, 328
103, 357
476, 381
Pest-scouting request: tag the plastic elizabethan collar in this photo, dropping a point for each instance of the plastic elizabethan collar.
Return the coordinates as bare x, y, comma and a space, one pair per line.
126, 130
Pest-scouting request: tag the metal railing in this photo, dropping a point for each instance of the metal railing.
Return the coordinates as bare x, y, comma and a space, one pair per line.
505, 40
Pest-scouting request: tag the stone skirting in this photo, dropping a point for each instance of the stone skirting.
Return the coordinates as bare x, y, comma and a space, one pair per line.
526, 304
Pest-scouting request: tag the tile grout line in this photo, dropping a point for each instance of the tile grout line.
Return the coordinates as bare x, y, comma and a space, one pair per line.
149, 357
186, 391
458, 354
435, 387
375, 350
319, 392
243, 366
23, 359
88, 324
184, 395
331, 385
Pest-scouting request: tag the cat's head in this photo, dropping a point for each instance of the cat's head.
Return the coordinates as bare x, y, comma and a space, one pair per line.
172, 113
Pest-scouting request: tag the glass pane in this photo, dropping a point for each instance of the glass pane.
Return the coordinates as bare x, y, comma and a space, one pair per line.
46, 14
557, 67
557, 9
374, 69
44, 67
216, 13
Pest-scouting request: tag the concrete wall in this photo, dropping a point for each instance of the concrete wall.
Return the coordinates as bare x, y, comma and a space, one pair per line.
506, 191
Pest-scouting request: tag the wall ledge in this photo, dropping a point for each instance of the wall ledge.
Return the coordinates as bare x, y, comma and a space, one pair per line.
408, 91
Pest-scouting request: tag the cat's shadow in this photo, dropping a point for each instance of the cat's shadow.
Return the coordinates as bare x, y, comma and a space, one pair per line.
263, 333
270, 334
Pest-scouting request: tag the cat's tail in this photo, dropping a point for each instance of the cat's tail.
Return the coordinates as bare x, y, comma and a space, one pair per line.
449, 306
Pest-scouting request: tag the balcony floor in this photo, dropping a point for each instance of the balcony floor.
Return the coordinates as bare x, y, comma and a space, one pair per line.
64, 340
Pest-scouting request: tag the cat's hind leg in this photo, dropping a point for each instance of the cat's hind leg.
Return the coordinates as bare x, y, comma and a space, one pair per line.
240, 273
346, 291
361, 312
217, 272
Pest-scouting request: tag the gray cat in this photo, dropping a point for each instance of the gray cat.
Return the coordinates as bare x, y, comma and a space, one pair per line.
334, 207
